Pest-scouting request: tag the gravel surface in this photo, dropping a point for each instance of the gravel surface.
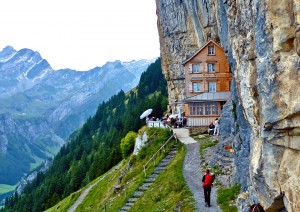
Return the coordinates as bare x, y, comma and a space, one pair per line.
192, 172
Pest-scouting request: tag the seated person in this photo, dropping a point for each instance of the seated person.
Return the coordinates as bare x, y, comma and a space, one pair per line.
211, 128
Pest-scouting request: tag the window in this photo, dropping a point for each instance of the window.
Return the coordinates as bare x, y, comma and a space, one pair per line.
196, 68
211, 67
196, 108
212, 87
211, 50
211, 108
196, 86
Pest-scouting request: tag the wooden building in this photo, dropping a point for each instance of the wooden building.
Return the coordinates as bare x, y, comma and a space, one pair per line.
207, 84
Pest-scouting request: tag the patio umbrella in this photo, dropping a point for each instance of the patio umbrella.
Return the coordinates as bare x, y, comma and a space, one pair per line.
173, 116
146, 113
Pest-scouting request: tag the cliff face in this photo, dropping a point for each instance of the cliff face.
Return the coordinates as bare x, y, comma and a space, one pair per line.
262, 43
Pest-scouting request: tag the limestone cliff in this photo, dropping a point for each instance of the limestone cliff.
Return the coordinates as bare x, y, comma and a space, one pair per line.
262, 43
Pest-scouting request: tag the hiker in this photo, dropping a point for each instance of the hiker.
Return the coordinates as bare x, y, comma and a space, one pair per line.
216, 131
207, 182
184, 121
211, 128
256, 208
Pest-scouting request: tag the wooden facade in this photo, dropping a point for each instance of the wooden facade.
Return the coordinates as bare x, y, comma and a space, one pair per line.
207, 84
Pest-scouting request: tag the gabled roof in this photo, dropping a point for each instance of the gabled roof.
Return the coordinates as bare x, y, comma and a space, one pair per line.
211, 41
210, 96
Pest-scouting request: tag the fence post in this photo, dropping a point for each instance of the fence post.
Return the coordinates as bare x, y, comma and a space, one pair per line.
125, 189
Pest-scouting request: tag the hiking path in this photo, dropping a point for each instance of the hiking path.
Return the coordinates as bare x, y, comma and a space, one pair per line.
192, 172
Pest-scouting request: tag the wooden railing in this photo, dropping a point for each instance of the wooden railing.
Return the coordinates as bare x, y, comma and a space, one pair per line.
162, 147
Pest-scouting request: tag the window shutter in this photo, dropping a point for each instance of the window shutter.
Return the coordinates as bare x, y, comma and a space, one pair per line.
205, 67
217, 67
190, 87
190, 68
203, 85
218, 86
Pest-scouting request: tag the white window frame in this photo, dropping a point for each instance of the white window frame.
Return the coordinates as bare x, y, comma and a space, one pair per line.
212, 86
196, 86
196, 70
196, 109
211, 108
211, 67
211, 50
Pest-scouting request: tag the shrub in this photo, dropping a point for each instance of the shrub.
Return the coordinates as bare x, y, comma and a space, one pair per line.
227, 196
127, 144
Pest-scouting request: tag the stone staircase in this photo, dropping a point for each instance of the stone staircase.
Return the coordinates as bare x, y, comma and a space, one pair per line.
149, 181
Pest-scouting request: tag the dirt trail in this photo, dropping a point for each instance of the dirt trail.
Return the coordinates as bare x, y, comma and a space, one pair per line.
192, 172
86, 191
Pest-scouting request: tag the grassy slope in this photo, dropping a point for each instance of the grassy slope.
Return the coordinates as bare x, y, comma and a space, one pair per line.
168, 190
6, 188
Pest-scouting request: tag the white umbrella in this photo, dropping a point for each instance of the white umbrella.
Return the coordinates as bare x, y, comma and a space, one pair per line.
173, 116
146, 113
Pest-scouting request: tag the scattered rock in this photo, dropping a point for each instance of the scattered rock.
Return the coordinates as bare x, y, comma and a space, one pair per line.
117, 188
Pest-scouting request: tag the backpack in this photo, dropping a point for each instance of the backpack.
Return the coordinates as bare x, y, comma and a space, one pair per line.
208, 180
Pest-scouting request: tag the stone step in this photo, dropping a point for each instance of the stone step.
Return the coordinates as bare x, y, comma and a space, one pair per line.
157, 171
133, 200
148, 182
153, 176
160, 168
150, 179
166, 160
169, 157
165, 163
145, 186
129, 204
125, 208
138, 193
172, 152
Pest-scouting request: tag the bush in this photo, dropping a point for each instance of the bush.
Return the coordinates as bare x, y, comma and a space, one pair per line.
227, 196
127, 144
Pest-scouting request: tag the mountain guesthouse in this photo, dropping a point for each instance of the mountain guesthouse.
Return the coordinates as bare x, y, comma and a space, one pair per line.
207, 84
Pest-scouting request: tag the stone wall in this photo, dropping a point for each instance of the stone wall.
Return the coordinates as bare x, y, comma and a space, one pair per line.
262, 43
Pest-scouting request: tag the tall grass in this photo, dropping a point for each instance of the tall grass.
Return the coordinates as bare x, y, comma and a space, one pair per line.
226, 198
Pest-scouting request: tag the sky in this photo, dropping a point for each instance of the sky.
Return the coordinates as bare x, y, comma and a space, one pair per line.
81, 34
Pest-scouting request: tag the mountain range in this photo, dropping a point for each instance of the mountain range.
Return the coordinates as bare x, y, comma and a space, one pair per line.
40, 107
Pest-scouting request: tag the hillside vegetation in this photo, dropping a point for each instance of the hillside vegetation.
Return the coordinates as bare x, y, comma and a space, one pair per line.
95, 147
168, 192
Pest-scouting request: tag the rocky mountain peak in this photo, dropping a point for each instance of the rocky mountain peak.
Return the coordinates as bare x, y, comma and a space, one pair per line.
7, 53
40, 107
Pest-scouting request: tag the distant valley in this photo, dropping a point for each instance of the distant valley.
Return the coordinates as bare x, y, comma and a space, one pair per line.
40, 107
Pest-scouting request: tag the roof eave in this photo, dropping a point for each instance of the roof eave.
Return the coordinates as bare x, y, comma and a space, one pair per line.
186, 61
